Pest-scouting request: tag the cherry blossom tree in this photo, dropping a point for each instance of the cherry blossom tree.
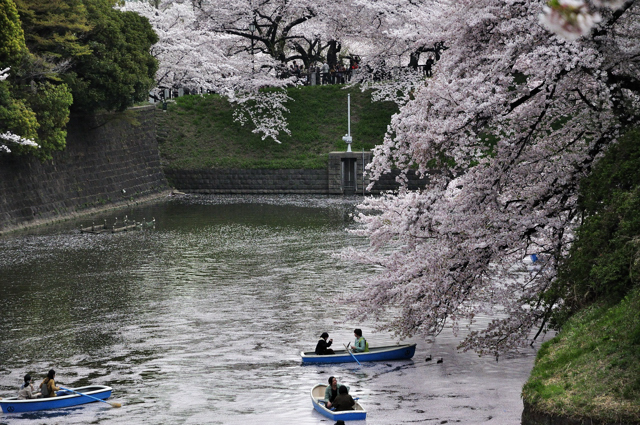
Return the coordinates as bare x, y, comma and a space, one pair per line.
285, 30
8, 137
525, 96
512, 119
237, 48
193, 56
189, 57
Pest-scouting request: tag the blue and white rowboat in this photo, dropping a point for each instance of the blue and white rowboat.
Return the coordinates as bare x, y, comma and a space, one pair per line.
317, 398
64, 399
375, 354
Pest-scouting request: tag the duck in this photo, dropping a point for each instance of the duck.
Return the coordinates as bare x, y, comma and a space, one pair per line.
440, 360
151, 223
428, 359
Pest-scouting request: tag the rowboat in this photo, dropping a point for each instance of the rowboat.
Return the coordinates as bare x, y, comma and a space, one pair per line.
317, 398
64, 399
375, 354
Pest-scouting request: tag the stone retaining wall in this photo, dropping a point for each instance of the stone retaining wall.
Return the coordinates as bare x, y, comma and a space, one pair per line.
267, 181
112, 160
249, 181
388, 182
109, 160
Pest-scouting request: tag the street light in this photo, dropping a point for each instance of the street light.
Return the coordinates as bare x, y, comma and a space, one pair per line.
347, 137
252, 28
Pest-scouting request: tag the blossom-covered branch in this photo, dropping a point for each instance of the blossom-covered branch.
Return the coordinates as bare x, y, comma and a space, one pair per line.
506, 128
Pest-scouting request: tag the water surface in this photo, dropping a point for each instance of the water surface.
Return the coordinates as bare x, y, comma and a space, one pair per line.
200, 320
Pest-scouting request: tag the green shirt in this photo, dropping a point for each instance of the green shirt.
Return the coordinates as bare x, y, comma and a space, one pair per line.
361, 346
327, 393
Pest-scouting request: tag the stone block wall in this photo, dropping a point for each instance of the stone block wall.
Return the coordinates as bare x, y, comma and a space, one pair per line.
249, 181
109, 160
388, 182
265, 181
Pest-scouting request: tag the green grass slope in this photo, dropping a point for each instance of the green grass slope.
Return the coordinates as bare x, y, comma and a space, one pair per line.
199, 132
591, 369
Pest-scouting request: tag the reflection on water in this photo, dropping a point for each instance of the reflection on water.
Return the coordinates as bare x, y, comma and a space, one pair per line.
201, 320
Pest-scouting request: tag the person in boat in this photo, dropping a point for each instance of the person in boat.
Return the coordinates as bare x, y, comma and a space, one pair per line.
331, 392
322, 348
48, 386
343, 401
27, 391
360, 345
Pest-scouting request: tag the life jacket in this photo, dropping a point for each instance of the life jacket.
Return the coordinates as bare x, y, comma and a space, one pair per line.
366, 344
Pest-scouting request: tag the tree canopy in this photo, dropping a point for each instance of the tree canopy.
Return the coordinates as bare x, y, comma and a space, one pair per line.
79, 55
12, 44
18, 124
602, 265
54, 29
120, 69
512, 120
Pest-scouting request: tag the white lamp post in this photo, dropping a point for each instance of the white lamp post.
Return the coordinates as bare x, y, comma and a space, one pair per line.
347, 137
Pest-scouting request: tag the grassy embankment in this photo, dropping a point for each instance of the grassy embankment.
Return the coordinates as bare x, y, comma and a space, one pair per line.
591, 369
199, 132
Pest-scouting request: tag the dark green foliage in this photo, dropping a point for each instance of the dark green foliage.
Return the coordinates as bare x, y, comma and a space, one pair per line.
602, 265
120, 71
100, 53
84, 48
54, 29
51, 106
12, 45
41, 115
15, 115
34, 110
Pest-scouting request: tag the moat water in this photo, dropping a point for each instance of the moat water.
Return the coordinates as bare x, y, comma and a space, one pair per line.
200, 320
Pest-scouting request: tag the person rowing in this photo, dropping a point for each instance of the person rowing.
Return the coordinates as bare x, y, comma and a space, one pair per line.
360, 345
48, 386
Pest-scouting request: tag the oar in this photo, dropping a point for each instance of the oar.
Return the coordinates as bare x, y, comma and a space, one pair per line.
95, 398
349, 351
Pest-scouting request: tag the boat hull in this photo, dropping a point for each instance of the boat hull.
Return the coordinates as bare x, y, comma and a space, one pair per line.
376, 354
64, 399
317, 395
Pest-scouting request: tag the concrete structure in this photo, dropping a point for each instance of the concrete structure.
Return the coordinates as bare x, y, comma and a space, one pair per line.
346, 171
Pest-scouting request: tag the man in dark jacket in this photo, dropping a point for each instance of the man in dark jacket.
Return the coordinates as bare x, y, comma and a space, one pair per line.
344, 401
